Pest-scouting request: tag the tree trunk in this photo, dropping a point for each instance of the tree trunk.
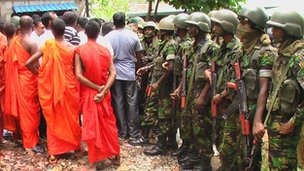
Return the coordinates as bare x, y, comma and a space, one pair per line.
149, 10
155, 10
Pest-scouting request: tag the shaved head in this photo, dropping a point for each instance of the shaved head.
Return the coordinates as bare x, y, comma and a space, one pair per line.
26, 22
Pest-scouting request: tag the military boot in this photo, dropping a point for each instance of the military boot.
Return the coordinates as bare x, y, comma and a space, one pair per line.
182, 149
159, 148
172, 144
203, 165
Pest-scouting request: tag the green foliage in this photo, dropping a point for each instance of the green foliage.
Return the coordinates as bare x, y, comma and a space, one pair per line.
205, 5
106, 8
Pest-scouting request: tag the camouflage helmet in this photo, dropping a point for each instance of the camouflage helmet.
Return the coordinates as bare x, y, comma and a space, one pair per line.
227, 19
180, 19
141, 24
211, 13
150, 24
201, 20
256, 15
290, 21
166, 24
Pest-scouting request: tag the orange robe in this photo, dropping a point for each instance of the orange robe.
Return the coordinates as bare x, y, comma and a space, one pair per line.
3, 45
59, 98
99, 129
21, 95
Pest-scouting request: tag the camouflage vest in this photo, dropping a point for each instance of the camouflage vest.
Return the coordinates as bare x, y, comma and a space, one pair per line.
290, 92
251, 68
227, 56
163, 52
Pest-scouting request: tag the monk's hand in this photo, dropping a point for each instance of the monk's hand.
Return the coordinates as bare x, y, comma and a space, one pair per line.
207, 74
286, 128
99, 96
165, 66
100, 88
258, 130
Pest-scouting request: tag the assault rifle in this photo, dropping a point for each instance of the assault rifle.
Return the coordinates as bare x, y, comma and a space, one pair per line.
215, 160
184, 84
243, 109
240, 103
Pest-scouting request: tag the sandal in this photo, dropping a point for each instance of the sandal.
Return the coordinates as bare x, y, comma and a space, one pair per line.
52, 159
115, 160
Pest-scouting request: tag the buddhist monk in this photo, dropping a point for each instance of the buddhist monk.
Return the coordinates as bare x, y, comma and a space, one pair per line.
21, 93
58, 94
96, 72
3, 45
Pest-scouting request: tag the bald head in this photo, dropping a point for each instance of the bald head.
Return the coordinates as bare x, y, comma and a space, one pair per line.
26, 23
58, 27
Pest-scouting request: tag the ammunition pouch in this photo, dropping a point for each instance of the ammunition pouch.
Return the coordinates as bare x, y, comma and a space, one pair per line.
289, 95
250, 79
177, 69
199, 70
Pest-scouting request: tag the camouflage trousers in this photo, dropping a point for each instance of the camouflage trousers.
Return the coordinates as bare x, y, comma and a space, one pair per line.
282, 148
196, 128
159, 110
231, 142
300, 149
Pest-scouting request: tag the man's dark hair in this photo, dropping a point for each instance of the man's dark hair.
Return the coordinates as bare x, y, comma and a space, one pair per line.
82, 21
26, 22
58, 27
106, 28
36, 21
119, 19
69, 18
45, 19
34, 16
9, 30
97, 20
92, 29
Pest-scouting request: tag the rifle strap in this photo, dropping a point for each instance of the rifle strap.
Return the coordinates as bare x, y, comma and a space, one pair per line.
276, 91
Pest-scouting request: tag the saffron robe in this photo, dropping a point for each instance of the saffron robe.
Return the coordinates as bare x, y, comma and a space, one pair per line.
3, 45
21, 108
59, 98
99, 129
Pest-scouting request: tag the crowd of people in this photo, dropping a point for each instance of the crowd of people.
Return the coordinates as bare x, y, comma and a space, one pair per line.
220, 78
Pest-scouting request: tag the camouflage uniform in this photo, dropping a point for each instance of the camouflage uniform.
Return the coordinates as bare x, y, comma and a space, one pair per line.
147, 106
229, 148
255, 64
288, 103
282, 148
197, 123
183, 48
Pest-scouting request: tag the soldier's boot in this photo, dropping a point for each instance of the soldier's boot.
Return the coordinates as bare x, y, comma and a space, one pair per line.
191, 162
143, 138
181, 150
159, 148
172, 144
185, 157
203, 165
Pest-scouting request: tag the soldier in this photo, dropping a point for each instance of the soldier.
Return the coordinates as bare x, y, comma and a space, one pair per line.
256, 67
161, 84
147, 103
285, 101
225, 26
183, 42
195, 130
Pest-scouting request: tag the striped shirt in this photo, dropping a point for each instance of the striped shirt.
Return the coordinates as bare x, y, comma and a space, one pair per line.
70, 35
